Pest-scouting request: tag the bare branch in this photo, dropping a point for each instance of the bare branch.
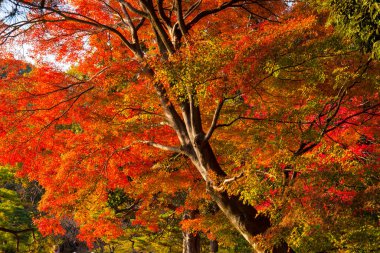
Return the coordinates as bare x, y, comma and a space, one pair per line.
115, 152
75, 98
257, 15
171, 113
140, 24
16, 234
7, 230
162, 14
133, 9
216, 116
133, 29
222, 187
76, 17
129, 208
192, 8
206, 13
163, 147
264, 119
67, 86
214, 120
180, 18
140, 110
345, 120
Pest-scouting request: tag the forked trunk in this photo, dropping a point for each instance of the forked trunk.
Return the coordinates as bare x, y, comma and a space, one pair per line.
194, 143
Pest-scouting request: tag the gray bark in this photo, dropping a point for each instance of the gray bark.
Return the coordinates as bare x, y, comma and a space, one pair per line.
191, 241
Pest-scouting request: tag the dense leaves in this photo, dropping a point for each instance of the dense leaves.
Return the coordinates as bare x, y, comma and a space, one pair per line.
357, 19
187, 117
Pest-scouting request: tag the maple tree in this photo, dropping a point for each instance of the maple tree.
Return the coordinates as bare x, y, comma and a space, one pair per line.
262, 108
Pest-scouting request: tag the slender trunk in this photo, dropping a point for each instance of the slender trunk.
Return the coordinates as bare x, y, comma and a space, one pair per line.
214, 246
191, 241
133, 246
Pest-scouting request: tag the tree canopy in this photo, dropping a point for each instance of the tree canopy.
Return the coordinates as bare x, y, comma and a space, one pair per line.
187, 117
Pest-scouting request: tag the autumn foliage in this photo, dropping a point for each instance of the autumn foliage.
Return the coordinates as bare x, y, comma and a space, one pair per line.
256, 113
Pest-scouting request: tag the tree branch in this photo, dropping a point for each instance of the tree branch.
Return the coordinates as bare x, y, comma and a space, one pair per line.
206, 13
12, 231
76, 17
180, 18
75, 98
192, 8
129, 208
158, 26
163, 147
345, 120
214, 120
133, 29
162, 14
171, 113
67, 86
221, 186
133, 9
16, 234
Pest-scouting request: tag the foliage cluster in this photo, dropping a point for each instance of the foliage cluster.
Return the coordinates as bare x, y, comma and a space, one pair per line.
184, 119
357, 19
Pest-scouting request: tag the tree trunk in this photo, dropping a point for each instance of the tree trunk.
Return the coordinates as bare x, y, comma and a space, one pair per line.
243, 217
196, 146
191, 241
214, 246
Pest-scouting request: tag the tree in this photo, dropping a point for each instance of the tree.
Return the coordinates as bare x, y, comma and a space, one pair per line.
272, 85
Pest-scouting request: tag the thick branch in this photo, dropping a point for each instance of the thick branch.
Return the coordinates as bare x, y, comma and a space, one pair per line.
158, 26
180, 18
133, 9
162, 14
171, 114
133, 29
